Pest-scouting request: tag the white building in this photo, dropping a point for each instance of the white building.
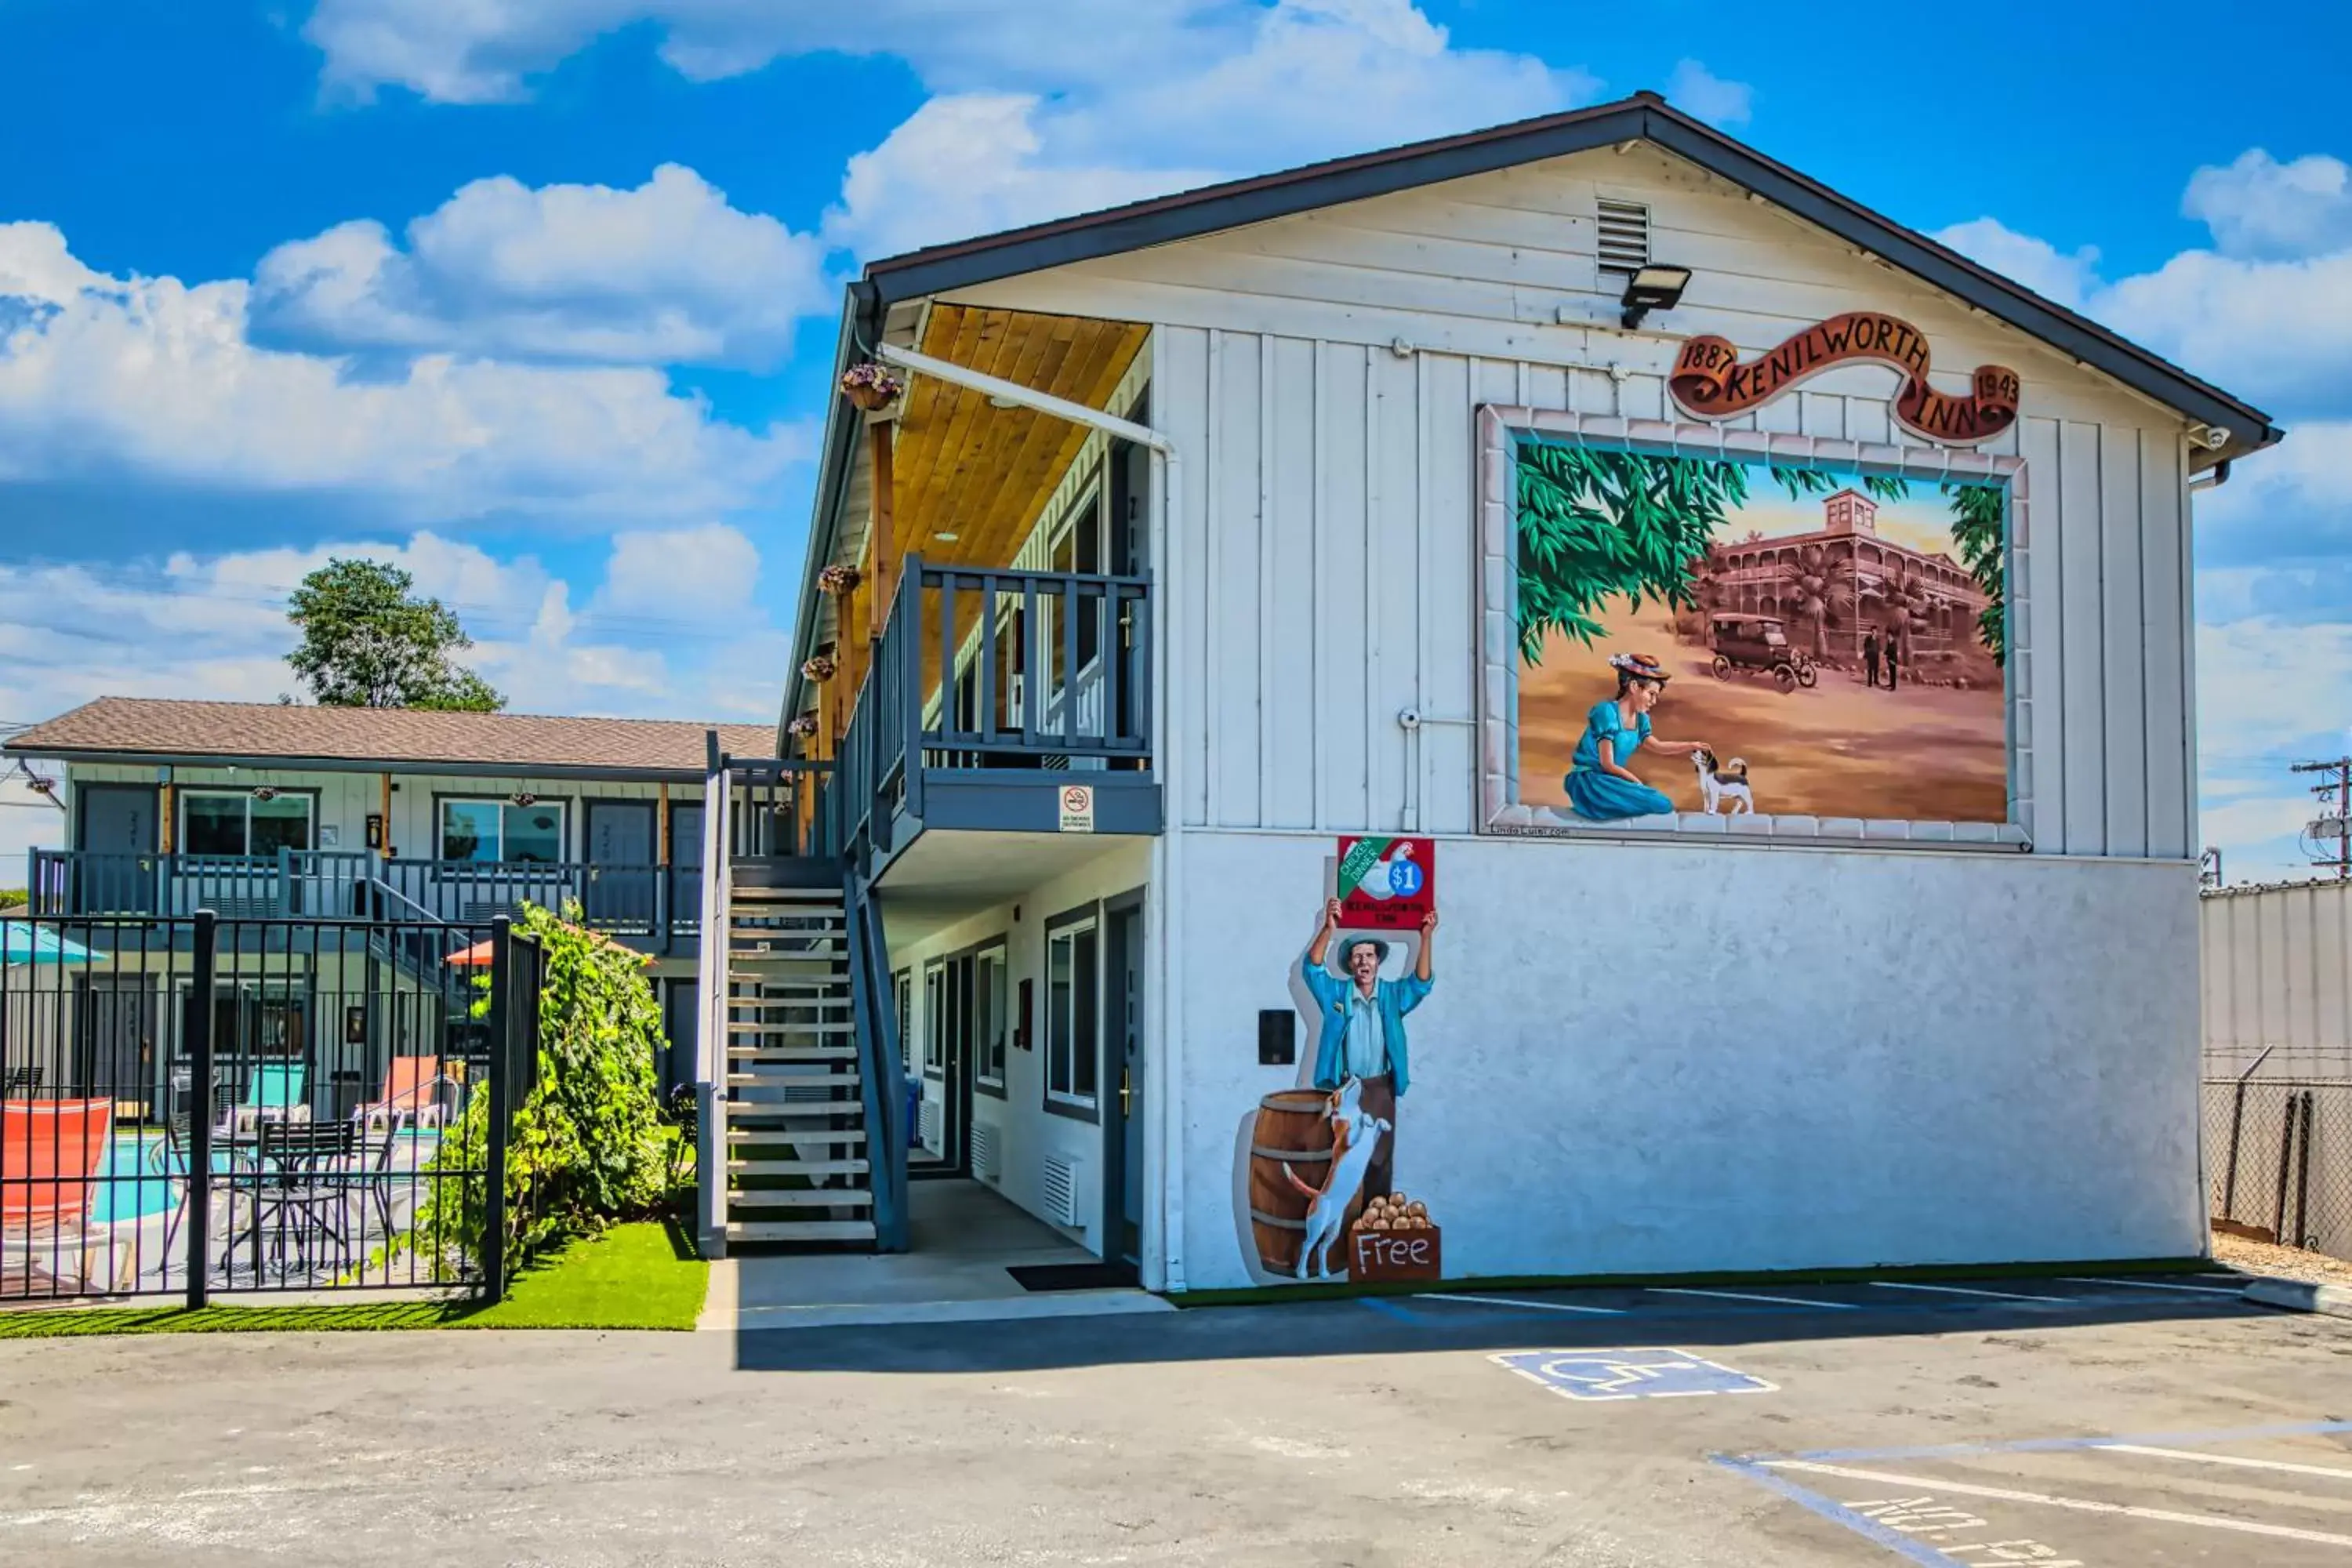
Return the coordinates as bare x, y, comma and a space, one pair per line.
1219, 502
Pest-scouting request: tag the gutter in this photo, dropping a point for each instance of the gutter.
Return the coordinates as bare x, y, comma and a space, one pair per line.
437, 769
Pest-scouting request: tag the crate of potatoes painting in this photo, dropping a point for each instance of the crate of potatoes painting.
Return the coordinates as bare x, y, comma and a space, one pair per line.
1395, 1240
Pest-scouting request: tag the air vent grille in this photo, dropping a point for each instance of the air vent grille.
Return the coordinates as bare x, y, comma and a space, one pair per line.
1624, 232
983, 1152
926, 1124
1061, 1196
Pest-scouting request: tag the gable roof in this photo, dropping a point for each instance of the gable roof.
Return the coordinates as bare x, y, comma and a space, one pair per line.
1644, 117
146, 729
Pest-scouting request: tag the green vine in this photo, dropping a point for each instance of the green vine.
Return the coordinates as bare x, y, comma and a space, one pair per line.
587, 1146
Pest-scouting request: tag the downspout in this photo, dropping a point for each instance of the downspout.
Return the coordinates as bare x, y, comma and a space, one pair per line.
1162, 1079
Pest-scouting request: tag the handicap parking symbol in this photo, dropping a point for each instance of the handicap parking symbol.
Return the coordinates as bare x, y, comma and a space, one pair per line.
1648, 1372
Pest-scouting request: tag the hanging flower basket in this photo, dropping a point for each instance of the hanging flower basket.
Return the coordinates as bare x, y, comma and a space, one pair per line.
820, 668
838, 580
802, 726
871, 387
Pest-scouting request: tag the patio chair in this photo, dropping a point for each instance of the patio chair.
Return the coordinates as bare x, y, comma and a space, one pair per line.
295, 1187
51, 1155
414, 1094
274, 1093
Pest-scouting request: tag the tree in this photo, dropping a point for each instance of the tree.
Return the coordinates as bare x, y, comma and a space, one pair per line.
1818, 595
369, 641
1979, 514
1595, 524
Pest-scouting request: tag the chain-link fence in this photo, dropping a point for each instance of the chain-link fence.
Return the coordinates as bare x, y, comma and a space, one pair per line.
2278, 1155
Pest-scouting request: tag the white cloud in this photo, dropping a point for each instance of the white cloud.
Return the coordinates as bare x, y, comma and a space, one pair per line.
2063, 278
1701, 92
1065, 107
969, 164
476, 51
2259, 206
2269, 692
154, 379
668, 273
708, 571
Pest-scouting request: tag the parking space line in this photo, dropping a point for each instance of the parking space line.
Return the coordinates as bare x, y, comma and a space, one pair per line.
2154, 1285
2079, 1505
1745, 1296
1538, 1306
1917, 1550
2235, 1460
2070, 1445
1963, 1290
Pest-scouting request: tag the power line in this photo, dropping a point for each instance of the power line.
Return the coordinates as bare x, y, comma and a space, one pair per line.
2328, 840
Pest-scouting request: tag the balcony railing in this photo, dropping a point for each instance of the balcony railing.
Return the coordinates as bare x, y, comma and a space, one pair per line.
996, 670
656, 904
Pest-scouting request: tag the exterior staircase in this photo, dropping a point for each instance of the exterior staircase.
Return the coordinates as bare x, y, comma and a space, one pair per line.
797, 1136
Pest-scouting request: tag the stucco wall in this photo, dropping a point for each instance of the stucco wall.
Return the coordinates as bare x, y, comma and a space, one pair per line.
1026, 1131
1654, 1058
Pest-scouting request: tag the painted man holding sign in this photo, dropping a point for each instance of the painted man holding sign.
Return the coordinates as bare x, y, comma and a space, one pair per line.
1362, 1024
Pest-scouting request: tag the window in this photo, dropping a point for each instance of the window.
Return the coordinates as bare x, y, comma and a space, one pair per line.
240, 821
1077, 547
1073, 1003
484, 831
935, 1020
902, 987
989, 1014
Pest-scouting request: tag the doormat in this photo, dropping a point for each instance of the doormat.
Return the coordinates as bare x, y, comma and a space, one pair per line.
1073, 1276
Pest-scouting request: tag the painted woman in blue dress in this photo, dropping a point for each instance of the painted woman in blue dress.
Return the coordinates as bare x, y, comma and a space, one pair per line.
1600, 787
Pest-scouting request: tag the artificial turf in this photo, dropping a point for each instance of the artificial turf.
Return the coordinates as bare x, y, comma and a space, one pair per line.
635, 1276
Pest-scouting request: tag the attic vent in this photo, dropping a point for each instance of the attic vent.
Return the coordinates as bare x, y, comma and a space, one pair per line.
1624, 235
983, 1151
1061, 1194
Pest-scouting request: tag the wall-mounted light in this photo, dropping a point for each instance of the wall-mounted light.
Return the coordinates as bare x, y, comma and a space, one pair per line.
1653, 289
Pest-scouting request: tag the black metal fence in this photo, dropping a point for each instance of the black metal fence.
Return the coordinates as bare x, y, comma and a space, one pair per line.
198, 1105
2279, 1155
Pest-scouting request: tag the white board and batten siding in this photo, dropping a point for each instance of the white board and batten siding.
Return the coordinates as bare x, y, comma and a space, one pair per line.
1320, 376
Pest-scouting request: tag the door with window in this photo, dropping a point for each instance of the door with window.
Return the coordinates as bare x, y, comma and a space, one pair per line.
495, 854
619, 895
684, 871
117, 868
1123, 1105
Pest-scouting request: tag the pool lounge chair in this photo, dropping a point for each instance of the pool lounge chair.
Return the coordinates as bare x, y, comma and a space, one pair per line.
50, 1154
274, 1093
416, 1094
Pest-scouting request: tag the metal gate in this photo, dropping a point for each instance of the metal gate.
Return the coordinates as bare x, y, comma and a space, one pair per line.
194, 1106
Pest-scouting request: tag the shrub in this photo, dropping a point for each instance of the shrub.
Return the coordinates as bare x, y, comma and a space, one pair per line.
586, 1146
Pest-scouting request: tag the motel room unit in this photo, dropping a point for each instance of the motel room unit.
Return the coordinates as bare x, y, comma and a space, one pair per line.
1564, 701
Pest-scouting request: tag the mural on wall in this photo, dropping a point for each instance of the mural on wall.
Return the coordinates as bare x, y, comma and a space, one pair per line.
1699, 634
1320, 1197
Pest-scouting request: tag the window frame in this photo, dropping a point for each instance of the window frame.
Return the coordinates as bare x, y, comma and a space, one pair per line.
1071, 926
932, 1059
563, 803
184, 793
991, 1058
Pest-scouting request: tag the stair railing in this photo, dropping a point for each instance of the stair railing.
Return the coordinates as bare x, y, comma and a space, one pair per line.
881, 1081
710, 1037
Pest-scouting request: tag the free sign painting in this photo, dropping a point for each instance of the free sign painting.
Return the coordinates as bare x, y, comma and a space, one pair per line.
1702, 634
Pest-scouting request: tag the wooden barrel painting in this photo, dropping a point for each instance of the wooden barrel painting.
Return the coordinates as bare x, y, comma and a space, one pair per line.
1294, 1128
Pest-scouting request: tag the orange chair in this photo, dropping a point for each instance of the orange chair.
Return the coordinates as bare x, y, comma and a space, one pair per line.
412, 1096
50, 1152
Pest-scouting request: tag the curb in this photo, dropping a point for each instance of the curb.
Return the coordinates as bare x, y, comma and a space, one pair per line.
2301, 1296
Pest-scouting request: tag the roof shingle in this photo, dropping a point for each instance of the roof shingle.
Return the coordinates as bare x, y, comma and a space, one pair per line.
396, 737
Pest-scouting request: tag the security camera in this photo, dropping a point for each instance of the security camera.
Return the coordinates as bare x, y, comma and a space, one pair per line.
2212, 437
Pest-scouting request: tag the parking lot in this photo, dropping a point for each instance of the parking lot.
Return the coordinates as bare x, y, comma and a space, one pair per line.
2066, 1423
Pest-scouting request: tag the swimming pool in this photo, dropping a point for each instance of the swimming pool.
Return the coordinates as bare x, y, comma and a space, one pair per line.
140, 1175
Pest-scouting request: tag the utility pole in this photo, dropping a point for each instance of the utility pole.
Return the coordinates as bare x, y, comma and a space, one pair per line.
2330, 827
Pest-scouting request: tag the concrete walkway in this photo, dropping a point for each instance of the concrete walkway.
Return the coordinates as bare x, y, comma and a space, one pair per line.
963, 1239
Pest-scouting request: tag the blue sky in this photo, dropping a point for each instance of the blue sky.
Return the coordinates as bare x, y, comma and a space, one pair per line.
536, 295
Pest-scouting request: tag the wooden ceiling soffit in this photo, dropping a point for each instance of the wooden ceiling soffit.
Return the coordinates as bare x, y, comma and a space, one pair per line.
980, 472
